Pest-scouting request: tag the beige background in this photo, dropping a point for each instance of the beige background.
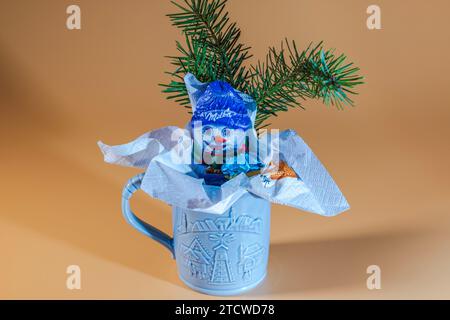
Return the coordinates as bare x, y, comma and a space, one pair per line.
61, 91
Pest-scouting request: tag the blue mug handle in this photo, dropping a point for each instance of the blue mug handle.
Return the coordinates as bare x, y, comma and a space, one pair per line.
130, 188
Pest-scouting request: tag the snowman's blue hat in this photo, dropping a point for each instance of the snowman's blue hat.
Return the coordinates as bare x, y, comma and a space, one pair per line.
219, 104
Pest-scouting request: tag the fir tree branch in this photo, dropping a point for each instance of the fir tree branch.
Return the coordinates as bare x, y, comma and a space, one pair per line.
212, 45
288, 76
194, 59
212, 51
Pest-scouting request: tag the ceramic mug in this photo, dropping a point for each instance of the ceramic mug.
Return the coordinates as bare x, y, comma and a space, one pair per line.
223, 254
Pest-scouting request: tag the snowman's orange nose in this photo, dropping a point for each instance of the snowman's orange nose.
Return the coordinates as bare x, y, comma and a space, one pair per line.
219, 139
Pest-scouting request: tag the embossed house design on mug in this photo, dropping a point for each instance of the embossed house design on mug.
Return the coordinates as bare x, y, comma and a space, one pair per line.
209, 260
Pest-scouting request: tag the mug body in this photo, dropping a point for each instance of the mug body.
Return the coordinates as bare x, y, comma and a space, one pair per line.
223, 254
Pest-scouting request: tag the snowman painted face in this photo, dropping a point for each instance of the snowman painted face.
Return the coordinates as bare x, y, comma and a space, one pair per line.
220, 141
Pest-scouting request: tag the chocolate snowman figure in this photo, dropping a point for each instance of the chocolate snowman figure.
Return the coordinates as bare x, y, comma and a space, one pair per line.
222, 125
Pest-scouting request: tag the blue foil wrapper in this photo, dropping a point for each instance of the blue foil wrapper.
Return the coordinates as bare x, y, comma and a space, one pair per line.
225, 116
221, 105
233, 169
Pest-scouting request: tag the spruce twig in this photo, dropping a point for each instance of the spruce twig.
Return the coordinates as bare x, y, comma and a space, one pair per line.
286, 77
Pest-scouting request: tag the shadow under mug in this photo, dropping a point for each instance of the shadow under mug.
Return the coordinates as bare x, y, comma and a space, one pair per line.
223, 254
